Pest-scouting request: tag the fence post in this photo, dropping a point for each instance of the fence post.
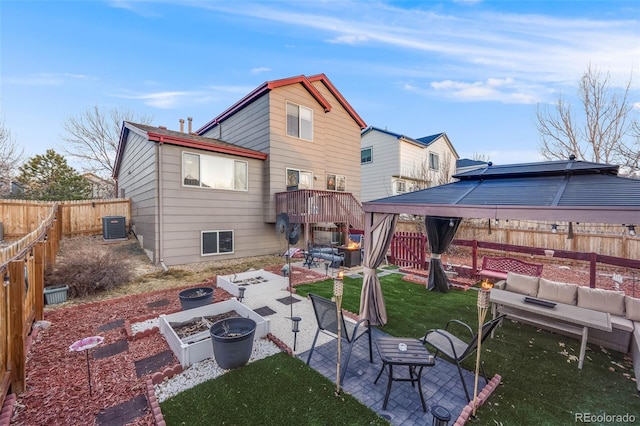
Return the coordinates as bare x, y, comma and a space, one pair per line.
474, 257
38, 253
592, 269
17, 357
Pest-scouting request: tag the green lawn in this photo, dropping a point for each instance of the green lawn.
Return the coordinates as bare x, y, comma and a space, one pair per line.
541, 383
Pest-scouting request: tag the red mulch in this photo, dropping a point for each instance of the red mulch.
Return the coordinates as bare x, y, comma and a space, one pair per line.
57, 389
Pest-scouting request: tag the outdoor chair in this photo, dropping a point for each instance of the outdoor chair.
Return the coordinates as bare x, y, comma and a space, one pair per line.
327, 317
458, 349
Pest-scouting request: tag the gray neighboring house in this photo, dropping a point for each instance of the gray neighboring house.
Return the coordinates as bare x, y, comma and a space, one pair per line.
393, 163
289, 146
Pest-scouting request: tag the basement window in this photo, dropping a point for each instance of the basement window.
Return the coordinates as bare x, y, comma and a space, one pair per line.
216, 242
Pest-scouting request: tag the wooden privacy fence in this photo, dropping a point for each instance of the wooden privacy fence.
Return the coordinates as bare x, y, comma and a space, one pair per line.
22, 267
83, 217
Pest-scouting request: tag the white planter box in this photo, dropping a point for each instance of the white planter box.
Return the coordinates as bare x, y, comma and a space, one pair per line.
190, 353
272, 283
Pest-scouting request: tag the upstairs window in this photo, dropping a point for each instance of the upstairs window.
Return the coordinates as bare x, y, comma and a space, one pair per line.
433, 161
299, 122
210, 171
401, 187
366, 155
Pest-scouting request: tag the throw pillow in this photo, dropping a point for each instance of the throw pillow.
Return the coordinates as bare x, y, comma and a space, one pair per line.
633, 308
601, 300
522, 284
558, 292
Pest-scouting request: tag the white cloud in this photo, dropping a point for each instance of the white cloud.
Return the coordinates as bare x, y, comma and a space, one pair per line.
168, 100
532, 48
260, 70
504, 90
46, 79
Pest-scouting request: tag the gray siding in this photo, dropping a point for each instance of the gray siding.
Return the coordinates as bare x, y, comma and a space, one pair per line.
248, 128
262, 126
137, 177
187, 211
377, 175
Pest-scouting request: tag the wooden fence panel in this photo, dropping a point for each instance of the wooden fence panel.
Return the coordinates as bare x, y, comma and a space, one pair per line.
604, 240
83, 217
4, 337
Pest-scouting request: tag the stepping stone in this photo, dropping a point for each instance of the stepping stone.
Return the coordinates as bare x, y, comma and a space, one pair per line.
264, 311
112, 349
123, 413
288, 300
153, 363
112, 325
158, 303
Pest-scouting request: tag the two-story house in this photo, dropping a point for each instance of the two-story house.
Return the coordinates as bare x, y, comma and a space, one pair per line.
290, 146
393, 163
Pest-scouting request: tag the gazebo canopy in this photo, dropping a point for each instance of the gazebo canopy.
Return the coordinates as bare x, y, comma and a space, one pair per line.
571, 191
575, 191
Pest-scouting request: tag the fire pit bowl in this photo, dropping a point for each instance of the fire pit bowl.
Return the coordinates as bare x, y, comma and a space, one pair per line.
232, 341
195, 297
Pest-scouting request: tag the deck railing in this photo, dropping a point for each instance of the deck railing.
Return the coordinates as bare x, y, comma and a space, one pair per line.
313, 206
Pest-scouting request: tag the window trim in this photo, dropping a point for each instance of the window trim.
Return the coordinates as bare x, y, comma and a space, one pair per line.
218, 231
370, 148
199, 186
286, 114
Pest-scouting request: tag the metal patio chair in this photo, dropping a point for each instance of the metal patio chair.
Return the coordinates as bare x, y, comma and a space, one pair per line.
458, 349
327, 317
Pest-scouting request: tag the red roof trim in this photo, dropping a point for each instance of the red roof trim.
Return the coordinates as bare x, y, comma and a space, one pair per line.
172, 140
325, 80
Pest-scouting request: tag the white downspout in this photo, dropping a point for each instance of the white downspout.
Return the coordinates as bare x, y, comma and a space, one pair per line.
160, 209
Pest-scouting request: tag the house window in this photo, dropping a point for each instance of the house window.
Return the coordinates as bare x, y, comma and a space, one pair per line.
210, 171
433, 161
216, 242
401, 187
299, 179
299, 122
336, 182
366, 155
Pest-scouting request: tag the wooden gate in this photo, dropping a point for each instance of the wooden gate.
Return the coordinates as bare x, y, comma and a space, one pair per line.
408, 249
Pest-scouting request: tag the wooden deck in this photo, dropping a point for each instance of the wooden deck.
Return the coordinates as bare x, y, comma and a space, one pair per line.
308, 206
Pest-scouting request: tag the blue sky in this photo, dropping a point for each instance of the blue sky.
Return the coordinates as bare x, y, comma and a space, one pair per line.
474, 69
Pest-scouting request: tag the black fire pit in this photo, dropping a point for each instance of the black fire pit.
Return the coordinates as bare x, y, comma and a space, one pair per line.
352, 256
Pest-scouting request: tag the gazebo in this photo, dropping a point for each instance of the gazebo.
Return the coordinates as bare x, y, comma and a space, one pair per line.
571, 191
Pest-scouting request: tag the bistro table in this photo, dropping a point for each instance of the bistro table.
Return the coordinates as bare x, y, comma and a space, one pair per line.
403, 351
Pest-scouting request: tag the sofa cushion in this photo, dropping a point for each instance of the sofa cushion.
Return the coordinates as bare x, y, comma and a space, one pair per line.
601, 300
632, 305
558, 292
621, 323
523, 284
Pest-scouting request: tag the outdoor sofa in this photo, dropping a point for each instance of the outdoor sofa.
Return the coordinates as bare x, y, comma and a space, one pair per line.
624, 311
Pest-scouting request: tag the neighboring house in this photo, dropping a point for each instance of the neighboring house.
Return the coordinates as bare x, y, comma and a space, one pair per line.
393, 163
290, 146
100, 188
464, 165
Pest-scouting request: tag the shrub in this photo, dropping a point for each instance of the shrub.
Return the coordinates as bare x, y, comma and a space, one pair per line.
88, 268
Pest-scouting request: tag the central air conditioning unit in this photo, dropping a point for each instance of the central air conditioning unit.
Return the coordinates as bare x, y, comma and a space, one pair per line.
114, 228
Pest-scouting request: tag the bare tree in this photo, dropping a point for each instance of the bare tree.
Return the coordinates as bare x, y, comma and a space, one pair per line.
93, 137
10, 157
599, 132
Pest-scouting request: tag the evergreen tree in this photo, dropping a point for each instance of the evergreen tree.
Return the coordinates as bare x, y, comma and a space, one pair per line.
49, 177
